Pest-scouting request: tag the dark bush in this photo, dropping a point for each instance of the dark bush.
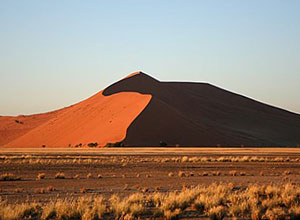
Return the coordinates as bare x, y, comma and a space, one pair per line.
163, 144
117, 144
93, 144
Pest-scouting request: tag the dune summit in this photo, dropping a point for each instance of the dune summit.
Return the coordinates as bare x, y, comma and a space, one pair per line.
142, 111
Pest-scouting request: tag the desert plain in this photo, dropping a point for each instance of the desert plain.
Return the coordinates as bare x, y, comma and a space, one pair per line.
51, 175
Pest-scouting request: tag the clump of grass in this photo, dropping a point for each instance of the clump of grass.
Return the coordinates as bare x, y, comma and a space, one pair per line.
181, 174
132, 205
233, 173
9, 177
169, 214
171, 174
145, 189
216, 173
184, 159
40, 191
76, 176
50, 189
18, 190
41, 176
60, 175
256, 213
125, 187
217, 213
203, 174
276, 213
242, 173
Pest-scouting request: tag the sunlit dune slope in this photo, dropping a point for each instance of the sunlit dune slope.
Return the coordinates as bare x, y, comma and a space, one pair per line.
12, 128
98, 119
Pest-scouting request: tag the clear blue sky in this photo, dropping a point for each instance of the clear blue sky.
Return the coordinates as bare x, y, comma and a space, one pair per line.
56, 53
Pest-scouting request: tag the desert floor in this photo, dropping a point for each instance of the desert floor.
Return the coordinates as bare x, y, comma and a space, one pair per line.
128, 170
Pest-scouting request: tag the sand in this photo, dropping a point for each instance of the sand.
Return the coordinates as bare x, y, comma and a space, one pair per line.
142, 111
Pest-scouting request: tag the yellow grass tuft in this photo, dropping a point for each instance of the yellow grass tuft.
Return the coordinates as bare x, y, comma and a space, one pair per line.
9, 177
41, 176
60, 175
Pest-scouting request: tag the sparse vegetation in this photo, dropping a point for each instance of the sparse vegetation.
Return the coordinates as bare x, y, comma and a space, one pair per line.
171, 174
36, 159
9, 177
76, 176
164, 195
216, 173
233, 173
41, 176
92, 144
117, 144
216, 201
163, 144
19, 122
203, 174
60, 175
50, 188
181, 174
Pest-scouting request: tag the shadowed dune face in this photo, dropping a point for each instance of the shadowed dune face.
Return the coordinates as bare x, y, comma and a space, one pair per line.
199, 114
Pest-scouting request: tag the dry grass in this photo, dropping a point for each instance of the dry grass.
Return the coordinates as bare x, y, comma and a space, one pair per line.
60, 175
171, 174
9, 177
76, 176
216, 173
40, 191
233, 173
203, 174
126, 160
181, 174
50, 189
217, 201
41, 176
18, 190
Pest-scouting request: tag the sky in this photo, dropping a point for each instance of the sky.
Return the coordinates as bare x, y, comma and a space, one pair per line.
59, 52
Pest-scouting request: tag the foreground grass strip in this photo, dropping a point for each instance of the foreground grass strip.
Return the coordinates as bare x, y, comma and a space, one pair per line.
216, 201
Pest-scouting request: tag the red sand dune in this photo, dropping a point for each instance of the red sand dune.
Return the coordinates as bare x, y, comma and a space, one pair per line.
141, 111
12, 128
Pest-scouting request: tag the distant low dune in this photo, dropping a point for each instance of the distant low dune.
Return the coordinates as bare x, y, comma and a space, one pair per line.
142, 111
